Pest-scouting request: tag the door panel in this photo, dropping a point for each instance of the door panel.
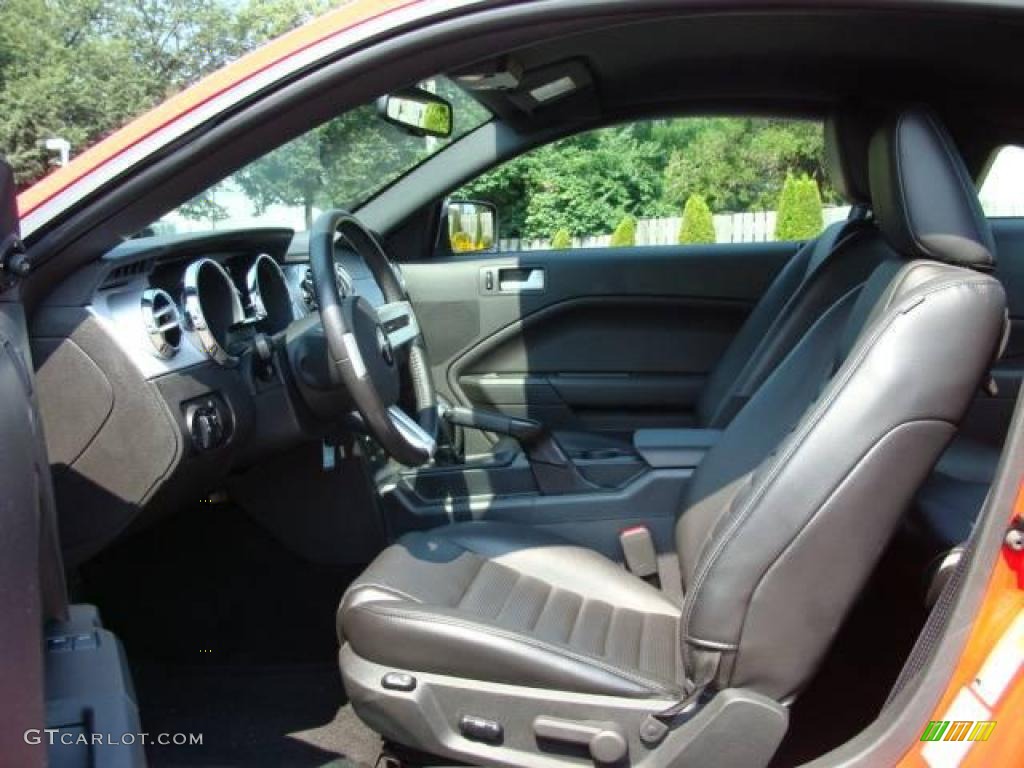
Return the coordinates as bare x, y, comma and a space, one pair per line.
605, 339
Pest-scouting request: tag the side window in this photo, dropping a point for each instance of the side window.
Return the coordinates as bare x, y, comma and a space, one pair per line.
1002, 191
663, 182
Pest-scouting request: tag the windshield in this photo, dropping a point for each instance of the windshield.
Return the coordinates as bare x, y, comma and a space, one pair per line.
340, 164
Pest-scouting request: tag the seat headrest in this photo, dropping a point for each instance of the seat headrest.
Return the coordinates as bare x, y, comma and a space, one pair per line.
924, 200
847, 136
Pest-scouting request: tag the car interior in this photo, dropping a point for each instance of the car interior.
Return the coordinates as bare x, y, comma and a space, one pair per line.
351, 496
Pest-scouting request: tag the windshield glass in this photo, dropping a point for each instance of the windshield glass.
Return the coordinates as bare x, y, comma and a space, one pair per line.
340, 164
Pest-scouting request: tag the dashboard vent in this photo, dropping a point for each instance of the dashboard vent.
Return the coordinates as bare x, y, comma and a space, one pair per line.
125, 273
163, 326
308, 290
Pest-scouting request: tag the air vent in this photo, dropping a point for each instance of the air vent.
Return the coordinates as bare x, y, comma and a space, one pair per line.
125, 273
160, 316
308, 290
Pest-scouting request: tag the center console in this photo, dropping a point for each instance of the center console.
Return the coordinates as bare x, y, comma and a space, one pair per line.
587, 496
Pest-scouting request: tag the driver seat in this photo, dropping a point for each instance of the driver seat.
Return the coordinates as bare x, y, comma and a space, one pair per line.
500, 644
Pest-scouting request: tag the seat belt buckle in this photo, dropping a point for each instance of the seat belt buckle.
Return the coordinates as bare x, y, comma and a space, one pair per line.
638, 551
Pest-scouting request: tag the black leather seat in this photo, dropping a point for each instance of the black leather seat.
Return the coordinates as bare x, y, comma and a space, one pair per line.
822, 271
781, 524
512, 604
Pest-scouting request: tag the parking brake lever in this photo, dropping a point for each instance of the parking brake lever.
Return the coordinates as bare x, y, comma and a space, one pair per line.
553, 470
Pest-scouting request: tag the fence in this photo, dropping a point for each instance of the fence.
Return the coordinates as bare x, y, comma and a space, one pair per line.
755, 227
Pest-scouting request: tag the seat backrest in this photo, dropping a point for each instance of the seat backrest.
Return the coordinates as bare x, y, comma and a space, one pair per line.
822, 271
32, 587
787, 516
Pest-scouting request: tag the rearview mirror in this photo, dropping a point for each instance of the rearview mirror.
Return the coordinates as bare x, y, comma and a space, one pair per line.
472, 226
418, 112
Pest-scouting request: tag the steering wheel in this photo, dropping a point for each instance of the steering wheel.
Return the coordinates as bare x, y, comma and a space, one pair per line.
366, 345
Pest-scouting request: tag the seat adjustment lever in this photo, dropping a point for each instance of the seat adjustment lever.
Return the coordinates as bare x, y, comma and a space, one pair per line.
605, 741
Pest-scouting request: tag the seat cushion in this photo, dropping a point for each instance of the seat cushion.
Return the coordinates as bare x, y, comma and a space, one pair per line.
503, 603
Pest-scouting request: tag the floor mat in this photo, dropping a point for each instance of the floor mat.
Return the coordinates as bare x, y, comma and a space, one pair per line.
289, 715
232, 636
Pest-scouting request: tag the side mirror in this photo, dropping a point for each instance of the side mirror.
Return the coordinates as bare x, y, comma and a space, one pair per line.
418, 112
472, 226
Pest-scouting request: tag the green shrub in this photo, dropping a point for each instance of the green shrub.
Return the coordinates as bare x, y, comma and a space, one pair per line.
624, 234
698, 225
561, 240
798, 215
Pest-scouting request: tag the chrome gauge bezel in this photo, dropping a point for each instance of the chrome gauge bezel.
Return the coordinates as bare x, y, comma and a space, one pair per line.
257, 304
195, 317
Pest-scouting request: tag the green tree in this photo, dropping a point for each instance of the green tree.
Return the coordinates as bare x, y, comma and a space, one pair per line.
651, 168
798, 215
582, 183
740, 164
698, 225
204, 208
338, 163
625, 233
561, 240
79, 69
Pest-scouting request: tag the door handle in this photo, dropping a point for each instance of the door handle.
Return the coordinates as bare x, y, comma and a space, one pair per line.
520, 279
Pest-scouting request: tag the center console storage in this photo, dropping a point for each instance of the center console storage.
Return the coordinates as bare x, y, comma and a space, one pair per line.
661, 448
588, 497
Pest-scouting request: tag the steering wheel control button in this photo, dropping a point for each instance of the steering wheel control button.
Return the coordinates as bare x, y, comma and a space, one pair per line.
385, 347
481, 729
398, 681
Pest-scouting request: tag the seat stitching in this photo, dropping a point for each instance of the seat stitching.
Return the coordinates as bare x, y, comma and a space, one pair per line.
414, 616
740, 516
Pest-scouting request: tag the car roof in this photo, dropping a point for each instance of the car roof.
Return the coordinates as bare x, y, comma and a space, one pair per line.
797, 62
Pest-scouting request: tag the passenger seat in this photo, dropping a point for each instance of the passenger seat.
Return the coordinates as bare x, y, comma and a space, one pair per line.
950, 501
818, 275
821, 272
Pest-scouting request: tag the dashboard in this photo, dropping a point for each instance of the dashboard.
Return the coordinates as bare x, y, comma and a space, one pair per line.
178, 301
172, 347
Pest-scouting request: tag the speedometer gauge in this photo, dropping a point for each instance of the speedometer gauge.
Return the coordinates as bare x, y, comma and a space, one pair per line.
212, 308
270, 301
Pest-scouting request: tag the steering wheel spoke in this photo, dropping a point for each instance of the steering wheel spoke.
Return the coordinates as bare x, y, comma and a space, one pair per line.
399, 323
359, 344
